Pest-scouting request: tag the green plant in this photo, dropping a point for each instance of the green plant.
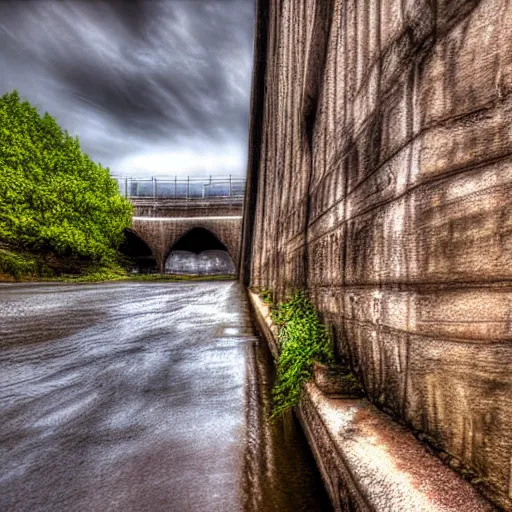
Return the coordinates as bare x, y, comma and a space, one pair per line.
302, 339
17, 265
53, 198
97, 274
266, 296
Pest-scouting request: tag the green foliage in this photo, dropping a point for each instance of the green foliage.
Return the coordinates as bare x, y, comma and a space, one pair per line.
17, 265
98, 274
53, 198
266, 296
302, 339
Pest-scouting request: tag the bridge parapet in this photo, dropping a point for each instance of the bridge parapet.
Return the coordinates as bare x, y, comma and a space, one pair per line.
179, 188
174, 208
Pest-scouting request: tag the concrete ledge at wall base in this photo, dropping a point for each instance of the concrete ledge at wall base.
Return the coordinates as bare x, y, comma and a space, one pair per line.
369, 462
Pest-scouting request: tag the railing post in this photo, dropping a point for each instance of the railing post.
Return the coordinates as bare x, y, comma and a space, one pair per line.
126, 187
154, 188
230, 186
175, 186
188, 186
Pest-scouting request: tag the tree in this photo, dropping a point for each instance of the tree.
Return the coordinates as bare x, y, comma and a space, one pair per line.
53, 197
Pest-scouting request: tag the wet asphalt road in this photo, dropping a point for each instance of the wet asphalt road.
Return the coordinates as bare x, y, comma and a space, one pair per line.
141, 397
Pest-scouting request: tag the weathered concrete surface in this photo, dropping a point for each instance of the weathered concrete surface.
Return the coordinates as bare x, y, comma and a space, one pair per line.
161, 207
369, 462
380, 178
160, 234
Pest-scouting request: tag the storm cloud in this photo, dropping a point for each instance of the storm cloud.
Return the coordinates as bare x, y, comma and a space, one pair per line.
151, 87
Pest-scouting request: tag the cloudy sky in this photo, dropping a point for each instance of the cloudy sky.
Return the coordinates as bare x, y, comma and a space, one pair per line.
151, 87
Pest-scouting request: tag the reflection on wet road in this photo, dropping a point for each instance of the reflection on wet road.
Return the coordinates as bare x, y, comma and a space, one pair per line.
141, 397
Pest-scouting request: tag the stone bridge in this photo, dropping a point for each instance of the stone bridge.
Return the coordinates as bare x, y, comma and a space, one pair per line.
162, 222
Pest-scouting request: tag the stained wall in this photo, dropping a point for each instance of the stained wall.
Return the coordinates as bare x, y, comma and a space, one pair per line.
380, 178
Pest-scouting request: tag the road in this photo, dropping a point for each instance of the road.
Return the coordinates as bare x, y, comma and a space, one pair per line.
142, 397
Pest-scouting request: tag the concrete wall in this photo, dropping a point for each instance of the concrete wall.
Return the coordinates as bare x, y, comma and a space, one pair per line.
380, 177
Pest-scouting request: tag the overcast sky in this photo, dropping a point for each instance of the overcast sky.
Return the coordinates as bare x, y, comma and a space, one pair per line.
149, 86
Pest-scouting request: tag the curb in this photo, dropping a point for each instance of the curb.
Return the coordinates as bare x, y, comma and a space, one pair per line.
368, 462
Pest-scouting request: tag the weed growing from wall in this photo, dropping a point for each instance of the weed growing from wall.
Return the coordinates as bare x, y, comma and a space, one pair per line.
302, 339
266, 296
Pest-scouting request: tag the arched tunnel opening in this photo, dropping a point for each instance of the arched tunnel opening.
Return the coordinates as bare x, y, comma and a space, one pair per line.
137, 256
199, 252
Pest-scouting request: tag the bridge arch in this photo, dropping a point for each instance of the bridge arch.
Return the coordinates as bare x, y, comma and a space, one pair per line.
162, 233
198, 239
199, 250
137, 252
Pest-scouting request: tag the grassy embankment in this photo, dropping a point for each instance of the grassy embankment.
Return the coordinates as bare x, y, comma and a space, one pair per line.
27, 267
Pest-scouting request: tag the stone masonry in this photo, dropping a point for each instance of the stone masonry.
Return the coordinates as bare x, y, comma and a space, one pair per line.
380, 179
160, 224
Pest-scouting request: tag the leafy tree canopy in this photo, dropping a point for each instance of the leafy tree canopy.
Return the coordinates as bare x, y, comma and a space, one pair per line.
53, 197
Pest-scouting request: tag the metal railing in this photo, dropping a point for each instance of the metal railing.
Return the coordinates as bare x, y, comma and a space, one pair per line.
179, 187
